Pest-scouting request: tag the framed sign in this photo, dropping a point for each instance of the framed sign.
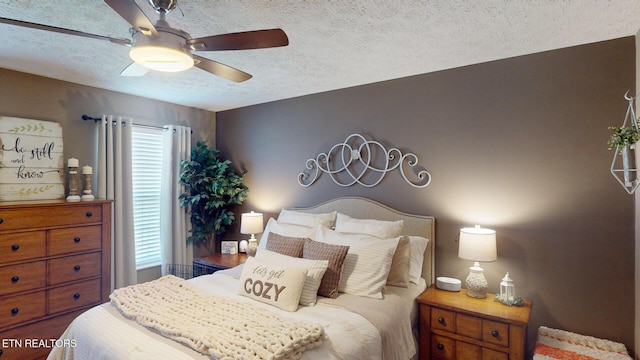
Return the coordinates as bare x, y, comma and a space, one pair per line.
31, 159
229, 247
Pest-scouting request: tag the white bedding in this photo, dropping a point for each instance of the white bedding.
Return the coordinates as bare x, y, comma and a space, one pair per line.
103, 333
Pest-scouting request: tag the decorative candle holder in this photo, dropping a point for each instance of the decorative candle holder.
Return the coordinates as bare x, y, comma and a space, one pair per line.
73, 184
87, 172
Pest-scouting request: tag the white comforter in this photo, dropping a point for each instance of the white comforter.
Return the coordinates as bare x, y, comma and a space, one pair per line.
103, 333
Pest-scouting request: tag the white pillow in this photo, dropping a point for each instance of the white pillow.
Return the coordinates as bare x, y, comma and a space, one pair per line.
418, 246
293, 217
284, 230
366, 266
378, 228
315, 272
272, 284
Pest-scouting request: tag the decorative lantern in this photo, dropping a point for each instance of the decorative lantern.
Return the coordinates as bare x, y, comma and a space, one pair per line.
507, 289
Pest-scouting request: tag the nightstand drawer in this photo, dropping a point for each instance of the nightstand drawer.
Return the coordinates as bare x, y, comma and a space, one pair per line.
443, 320
495, 332
21, 308
23, 277
74, 268
442, 347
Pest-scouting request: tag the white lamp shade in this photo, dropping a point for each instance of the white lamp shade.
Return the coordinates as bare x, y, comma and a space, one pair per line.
477, 244
251, 223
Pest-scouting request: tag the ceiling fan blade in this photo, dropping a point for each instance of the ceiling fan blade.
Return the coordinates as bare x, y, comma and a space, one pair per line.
134, 69
246, 40
221, 70
131, 12
31, 25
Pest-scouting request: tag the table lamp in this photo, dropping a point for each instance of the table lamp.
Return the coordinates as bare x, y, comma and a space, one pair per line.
477, 244
251, 223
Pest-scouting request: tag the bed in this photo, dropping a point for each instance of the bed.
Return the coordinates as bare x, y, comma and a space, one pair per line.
348, 317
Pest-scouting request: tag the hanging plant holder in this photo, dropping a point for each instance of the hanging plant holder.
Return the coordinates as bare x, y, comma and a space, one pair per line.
623, 141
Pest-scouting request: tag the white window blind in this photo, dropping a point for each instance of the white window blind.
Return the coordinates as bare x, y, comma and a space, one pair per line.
147, 173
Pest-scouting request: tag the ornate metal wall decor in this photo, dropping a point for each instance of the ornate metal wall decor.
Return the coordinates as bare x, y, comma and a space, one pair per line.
355, 159
623, 165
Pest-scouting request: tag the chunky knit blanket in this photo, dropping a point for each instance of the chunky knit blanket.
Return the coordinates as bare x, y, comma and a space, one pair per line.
218, 326
560, 344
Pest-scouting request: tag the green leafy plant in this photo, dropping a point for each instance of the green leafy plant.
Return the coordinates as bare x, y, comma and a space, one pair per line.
623, 136
212, 187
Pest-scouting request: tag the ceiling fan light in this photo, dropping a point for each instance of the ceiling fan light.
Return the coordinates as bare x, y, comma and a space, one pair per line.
161, 58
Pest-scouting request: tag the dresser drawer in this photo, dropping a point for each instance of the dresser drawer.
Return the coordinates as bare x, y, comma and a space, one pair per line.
495, 332
64, 241
74, 267
22, 246
21, 277
11, 219
442, 347
21, 308
488, 354
443, 320
74, 296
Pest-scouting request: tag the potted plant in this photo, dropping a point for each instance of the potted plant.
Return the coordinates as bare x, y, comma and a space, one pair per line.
212, 187
624, 139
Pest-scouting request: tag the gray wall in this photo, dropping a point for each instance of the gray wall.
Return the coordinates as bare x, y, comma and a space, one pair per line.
517, 145
34, 97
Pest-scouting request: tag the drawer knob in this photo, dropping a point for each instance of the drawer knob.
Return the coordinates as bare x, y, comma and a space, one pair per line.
15, 247
89, 214
76, 296
14, 311
76, 239
1, 220
76, 268
495, 333
441, 320
15, 279
440, 346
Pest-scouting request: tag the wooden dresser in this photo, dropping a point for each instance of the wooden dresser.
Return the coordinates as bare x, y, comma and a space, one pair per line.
456, 326
55, 262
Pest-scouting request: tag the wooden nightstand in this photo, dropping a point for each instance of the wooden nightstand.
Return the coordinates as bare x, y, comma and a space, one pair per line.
214, 262
456, 326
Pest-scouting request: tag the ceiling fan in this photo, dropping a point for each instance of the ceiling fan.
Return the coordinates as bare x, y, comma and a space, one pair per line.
164, 48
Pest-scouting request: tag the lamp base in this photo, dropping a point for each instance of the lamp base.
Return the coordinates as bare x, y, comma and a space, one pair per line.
252, 247
476, 283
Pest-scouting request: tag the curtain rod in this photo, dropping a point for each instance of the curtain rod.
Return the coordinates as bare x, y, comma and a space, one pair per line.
87, 118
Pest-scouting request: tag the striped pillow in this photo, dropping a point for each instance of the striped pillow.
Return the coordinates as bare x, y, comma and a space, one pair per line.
285, 245
367, 264
335, 255
315, 270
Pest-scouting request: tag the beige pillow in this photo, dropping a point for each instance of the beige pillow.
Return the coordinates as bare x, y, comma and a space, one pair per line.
284, 229
286, 245
418, 247
335, 255
400, 264
315, 271
378, 228
293, 217
272, 284
367, 264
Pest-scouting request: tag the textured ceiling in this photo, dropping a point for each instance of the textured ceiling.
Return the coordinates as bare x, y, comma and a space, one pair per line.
332, 44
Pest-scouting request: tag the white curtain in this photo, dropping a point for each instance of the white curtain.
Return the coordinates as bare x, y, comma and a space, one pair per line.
114, 183
174, 221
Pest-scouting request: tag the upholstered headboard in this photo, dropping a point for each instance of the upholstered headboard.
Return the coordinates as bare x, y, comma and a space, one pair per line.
413, 224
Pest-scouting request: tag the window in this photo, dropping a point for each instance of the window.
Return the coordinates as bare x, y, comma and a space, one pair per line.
146, 149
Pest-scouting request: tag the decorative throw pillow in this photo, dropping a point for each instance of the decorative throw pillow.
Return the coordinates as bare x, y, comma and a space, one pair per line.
286, 230
293, 217
286, 245
418, 246
335, 255
315, 271
400, 264
378, 228
272, 284
367, 264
